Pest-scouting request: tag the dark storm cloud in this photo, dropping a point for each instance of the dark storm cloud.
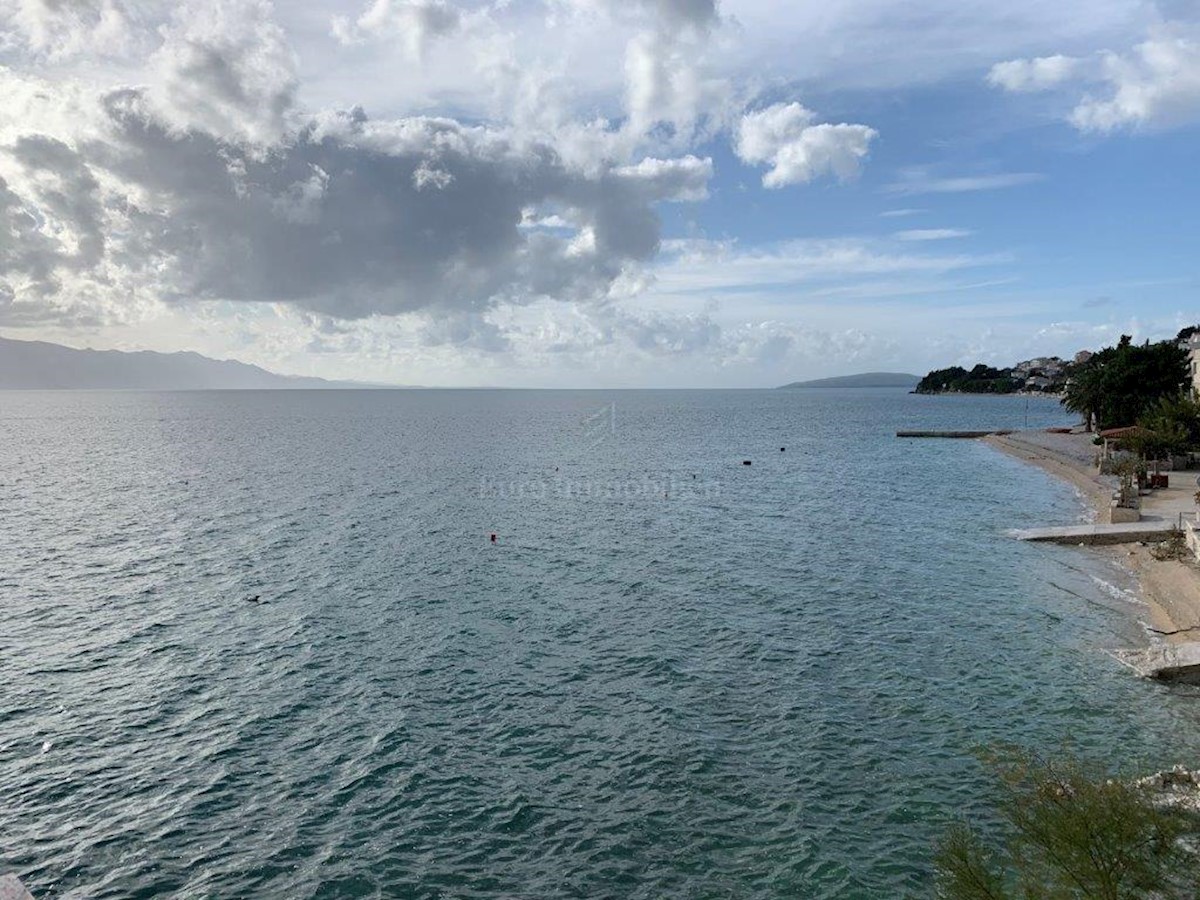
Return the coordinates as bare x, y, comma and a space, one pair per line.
347, 217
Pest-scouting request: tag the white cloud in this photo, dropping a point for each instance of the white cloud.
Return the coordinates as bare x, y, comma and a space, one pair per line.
856, 44
931, 234
671, 97
1026, 75
58, 30
536, 64
662, 82
921, 181
874, 45
698, 267
1155, 84
415, 23
226, 70
784, 137
675, 179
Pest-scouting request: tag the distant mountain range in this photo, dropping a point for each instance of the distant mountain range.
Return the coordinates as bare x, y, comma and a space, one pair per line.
34, 365
867, 379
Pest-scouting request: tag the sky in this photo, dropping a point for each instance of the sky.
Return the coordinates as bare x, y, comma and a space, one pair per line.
599, 193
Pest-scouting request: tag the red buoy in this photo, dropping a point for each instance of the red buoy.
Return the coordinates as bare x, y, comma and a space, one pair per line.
493, 537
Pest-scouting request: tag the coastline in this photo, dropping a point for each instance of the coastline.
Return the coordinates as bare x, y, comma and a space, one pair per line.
1171, 589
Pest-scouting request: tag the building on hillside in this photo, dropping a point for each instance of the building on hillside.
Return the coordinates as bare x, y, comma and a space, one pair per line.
1051, 366
1192, 346
1038, 383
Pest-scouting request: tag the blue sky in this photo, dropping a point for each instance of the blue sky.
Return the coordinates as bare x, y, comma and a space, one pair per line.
598, 193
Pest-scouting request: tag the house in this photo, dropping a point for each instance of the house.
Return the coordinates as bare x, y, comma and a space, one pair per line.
1192, 346
1038, 383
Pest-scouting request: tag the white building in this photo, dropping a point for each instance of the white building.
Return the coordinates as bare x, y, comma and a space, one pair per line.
1192, 346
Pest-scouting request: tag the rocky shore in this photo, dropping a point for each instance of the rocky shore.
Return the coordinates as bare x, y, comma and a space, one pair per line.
1178, 788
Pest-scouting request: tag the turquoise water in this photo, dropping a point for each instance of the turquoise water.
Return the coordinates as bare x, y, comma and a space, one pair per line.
672, 675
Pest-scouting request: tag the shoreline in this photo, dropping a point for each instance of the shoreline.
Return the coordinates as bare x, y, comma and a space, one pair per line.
1170, 588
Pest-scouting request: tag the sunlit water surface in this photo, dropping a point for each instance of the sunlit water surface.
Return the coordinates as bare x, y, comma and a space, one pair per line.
672, 675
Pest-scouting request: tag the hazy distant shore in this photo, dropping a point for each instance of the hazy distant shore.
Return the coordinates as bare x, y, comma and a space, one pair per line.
1171, 589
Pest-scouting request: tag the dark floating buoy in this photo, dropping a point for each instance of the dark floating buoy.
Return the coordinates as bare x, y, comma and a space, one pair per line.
782, 449
493, 537
745, 462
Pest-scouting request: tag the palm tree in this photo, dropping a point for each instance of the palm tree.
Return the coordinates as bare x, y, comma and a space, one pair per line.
1084, 393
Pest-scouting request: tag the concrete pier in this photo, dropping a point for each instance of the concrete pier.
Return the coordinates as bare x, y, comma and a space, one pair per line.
1101, 534
1168, 662
948, 434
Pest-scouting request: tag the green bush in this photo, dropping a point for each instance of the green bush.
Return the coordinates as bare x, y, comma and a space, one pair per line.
1072, 833
1175, 421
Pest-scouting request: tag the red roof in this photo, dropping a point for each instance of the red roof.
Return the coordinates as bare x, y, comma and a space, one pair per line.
1120, 432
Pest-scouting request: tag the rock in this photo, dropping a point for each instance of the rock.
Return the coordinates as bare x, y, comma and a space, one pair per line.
1164, 662
1179, 777
12, 889
1178, 787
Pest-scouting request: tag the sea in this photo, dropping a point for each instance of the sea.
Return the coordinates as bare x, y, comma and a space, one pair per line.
537, 644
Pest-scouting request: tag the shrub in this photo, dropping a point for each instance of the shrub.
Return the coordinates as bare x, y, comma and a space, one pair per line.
1072, 834
1173, 548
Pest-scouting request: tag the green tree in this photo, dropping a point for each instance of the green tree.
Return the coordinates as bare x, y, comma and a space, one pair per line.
982, 379
1073, 834
1120, 384
1178, 415
1157, 443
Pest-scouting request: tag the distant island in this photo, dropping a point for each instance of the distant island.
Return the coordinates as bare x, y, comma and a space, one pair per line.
36, 365
865, 380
